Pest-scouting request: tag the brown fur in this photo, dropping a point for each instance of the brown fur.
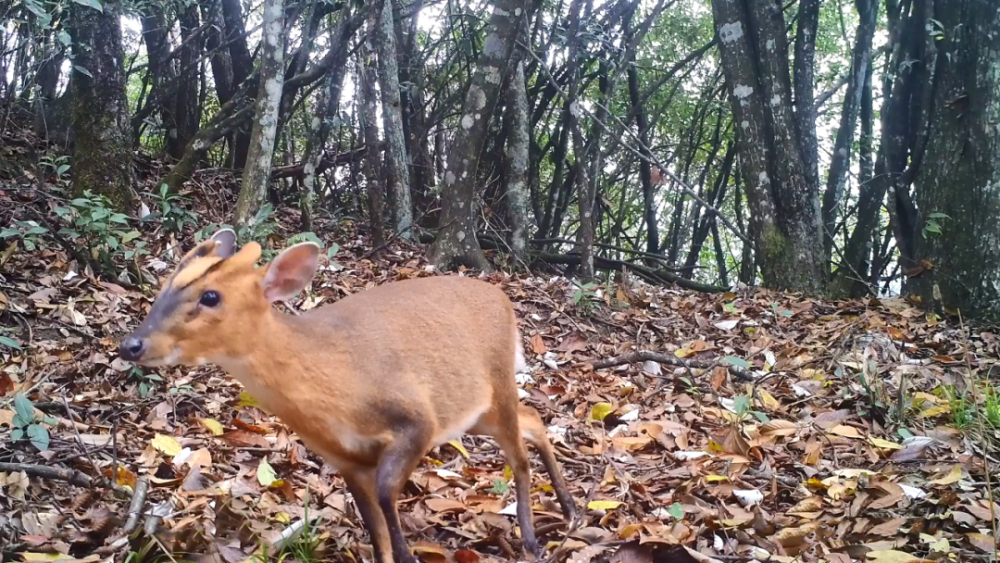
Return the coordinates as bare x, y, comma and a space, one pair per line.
371, 382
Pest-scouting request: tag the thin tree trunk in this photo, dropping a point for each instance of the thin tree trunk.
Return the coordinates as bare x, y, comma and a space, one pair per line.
398, 172
373, 165
840, 161
516, 160
257, 173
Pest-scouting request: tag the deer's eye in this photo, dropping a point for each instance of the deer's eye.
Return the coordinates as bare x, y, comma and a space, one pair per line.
210, 298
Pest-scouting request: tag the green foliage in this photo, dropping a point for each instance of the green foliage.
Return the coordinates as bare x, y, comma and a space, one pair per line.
500, 487
8, 342
27, 425
931, 225
105, 231
170, 211
258, 230
28, 232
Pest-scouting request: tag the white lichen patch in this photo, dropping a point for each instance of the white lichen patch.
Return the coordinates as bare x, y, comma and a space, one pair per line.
477, 98
449, 178
493, 47
467, 121
742, 91
730, 32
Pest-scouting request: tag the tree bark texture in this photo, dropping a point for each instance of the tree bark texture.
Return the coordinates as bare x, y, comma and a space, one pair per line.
102, 154
516, 160
257, 172
456, 241
398, 172
960, 175
784, 206
373, 163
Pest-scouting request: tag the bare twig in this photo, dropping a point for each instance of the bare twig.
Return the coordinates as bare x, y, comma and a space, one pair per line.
61, 474
646, 356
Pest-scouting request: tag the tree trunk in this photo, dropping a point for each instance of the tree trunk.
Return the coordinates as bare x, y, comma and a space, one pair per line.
102, 154
222, 63
456, 240
186, 110
232, 15
840, 161
958, 185
784, 207
373, 176
398, 172
516, 160
327, 109
257, 173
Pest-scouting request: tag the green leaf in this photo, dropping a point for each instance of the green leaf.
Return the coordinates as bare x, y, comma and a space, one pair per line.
63, 168
64, 38
23, 407
763, 418
19, 422
10, 343
741, 403
130, 236
95, 4
738, 362
16, 434
83, 71
939, 216
676, 510
333, 250
39, 437
7, 233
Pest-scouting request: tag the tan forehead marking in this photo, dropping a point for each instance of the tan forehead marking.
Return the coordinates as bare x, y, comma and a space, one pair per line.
193, 271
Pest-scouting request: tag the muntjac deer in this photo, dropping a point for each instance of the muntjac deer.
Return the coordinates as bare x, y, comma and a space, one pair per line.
371, 382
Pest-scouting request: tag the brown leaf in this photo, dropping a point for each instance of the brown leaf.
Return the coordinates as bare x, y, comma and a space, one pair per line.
538, 345
445, 505
244, 439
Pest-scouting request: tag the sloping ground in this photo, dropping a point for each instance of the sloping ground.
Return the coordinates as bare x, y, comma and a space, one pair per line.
771, 427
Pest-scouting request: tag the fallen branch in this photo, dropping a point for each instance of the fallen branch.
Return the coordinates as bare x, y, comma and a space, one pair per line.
669, 359
296, 170
60, 474
648, 274
134, 512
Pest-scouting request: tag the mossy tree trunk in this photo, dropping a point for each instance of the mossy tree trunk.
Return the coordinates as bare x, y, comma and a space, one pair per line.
957, 189
257, 172
775, 157
102, 155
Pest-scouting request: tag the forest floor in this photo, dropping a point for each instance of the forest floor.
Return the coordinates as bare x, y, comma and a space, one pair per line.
770, 426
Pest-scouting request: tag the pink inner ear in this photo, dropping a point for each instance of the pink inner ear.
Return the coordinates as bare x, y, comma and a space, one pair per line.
289, 273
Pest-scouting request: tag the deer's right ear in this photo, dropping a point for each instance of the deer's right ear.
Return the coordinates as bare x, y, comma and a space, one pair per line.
291, 271
225, 242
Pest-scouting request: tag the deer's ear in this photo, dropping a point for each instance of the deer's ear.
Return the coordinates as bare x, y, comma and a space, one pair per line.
291, 271
225, 242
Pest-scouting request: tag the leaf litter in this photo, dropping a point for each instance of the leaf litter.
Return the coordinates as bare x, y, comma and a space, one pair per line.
751, 425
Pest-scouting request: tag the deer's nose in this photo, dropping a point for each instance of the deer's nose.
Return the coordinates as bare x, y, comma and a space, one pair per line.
132, 348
